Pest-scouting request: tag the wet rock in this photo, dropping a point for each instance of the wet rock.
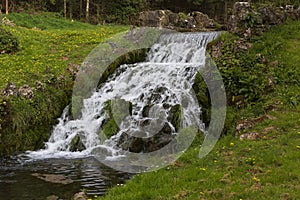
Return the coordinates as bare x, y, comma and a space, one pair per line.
26, 92
77, 144
145, 145
10, 90
146, 110
175, 116
80, 196
53, 178
116, 112
140, 142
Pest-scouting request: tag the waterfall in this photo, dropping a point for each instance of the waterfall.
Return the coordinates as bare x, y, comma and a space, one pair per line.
156, 86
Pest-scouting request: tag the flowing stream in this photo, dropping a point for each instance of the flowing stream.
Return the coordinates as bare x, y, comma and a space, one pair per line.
154, 87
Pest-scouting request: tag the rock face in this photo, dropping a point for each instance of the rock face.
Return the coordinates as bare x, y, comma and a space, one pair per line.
139, 142
194, 21
244, 18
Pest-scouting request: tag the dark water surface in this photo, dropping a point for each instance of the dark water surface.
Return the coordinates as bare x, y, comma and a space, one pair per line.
18, 183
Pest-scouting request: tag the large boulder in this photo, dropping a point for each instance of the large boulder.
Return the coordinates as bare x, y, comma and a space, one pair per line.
195, 21
156, 18
145, 145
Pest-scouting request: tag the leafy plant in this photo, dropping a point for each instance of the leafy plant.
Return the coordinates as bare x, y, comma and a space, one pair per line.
8, 42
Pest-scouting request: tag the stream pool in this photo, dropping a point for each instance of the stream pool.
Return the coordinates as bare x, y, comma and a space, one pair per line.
20, 178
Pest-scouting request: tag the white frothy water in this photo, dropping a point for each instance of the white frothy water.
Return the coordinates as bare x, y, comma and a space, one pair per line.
165, 78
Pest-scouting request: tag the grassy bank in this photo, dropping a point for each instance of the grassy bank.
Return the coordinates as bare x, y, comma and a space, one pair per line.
50, 50
264, 168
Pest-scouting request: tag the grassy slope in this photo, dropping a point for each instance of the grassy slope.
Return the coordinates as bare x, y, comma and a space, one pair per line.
45, 40
267, 168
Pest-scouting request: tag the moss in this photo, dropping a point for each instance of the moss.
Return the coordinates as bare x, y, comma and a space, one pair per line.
175, 116
135, 56
76, 144
116, 111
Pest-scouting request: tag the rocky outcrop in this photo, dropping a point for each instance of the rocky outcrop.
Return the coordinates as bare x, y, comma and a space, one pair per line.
25, 91
245, 19
145, 145
138, 142
195, 21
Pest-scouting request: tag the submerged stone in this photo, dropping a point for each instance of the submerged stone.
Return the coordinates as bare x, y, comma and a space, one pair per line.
53, 178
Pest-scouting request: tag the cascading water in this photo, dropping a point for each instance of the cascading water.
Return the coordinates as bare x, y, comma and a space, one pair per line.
155, 86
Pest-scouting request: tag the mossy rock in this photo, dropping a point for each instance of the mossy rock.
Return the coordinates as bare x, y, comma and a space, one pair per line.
77, 144
175, 116
203, 98
116, 111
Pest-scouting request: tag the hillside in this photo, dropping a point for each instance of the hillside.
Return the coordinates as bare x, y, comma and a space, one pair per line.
51, 48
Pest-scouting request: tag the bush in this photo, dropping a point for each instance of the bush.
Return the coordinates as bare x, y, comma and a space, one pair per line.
8, 42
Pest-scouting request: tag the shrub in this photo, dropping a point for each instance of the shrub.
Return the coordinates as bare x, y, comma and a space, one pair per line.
8, 42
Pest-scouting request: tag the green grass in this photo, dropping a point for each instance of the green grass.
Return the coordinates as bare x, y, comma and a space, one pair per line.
48, 47
62, 43
266, 168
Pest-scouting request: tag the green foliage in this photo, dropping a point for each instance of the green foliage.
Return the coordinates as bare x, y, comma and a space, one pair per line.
251, 20
8, 42
121, 11
245, 77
